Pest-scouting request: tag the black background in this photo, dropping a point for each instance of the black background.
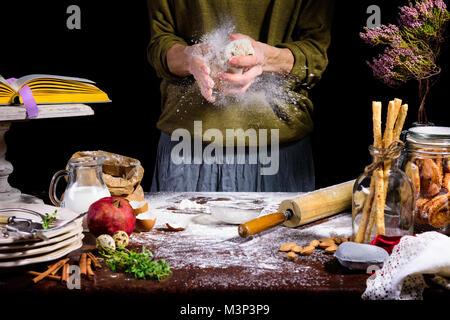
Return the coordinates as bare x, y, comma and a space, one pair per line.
110, 49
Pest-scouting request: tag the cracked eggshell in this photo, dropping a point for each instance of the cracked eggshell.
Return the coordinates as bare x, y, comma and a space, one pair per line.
139, 207
143, 224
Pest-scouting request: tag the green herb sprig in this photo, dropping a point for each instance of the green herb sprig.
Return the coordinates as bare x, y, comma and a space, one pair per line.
142, 265
48, 219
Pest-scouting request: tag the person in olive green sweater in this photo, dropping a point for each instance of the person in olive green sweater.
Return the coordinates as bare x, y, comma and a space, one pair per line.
290, 39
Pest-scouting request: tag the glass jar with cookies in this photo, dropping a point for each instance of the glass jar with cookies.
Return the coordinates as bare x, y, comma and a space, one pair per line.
427, 164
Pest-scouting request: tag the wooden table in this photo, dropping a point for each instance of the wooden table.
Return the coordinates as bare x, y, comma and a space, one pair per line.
9, 114
212, 265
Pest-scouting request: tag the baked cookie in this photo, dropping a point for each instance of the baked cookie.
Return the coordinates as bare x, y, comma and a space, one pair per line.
420, 216
446, 163
446, 182
439, 211
430, 178
412, 171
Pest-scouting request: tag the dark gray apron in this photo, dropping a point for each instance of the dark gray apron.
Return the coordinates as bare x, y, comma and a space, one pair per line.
295, 174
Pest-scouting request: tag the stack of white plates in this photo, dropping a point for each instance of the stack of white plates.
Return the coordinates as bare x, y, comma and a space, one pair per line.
17, 251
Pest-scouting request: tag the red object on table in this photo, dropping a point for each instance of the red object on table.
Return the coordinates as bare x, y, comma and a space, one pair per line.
386, 242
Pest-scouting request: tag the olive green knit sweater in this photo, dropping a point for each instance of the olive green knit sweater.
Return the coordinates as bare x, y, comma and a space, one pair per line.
303, 26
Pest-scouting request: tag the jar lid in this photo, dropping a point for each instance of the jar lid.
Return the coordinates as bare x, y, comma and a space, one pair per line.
429, 135
430, 132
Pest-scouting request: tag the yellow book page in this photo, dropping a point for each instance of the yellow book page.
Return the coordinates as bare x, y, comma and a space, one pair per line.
59, 89
61, 84
6, 94
5, 100
16, 85
70, 98
48, 90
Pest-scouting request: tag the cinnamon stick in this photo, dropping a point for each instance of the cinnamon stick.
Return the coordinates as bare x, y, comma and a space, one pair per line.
82, 264
97, 265
56, 264
65, 273
89, 271
56, 269
35, 273
52, 265
50, 270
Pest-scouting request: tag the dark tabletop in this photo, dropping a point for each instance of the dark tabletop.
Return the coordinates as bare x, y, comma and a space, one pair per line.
212, 269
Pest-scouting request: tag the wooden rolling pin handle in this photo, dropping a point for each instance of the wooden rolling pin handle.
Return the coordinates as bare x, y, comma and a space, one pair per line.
260, 224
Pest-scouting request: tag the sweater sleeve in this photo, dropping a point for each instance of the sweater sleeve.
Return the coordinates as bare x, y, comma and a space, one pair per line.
162, 37
311, 39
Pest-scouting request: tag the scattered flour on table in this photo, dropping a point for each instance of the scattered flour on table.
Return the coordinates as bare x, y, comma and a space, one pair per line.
208, 243
188, 204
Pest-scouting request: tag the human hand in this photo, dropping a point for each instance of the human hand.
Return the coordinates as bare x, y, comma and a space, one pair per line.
234, 84
198, 67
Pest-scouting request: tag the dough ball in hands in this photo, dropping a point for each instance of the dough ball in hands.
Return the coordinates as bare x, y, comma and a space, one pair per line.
237, 48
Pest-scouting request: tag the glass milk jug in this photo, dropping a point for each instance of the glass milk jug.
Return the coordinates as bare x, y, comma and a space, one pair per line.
85, 185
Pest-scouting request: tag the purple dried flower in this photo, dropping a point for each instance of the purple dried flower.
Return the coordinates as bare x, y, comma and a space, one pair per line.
441, 5
383, 68
379, 35
414, 16
409, 17
410, 47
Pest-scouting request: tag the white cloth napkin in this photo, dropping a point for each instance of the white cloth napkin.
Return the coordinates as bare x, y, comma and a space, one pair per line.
401, 277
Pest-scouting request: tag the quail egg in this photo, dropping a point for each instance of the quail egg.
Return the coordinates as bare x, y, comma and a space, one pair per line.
105, 242
121, 239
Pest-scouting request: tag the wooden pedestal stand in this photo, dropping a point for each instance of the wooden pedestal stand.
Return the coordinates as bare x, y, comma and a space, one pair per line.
9, 114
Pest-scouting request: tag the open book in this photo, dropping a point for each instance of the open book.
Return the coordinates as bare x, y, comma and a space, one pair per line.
47, 89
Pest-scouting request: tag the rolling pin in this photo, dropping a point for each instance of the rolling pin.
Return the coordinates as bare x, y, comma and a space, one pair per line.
303, 209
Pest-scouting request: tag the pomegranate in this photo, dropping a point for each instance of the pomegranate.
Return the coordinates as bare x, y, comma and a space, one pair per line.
110, 214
